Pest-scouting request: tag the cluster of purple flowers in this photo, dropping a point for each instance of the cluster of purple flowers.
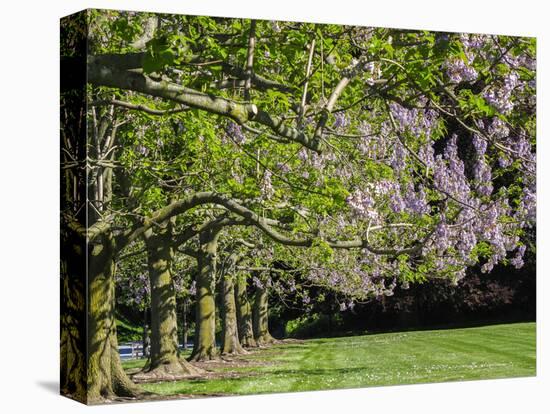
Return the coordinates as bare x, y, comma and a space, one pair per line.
415, 201
416, 121
458, 71
449, 173
266, 187
362, 204
473, 41
341, 121
426, 153
517, 260
398, 157
500, 97
236, 133
480, 145
483, 174
371, 146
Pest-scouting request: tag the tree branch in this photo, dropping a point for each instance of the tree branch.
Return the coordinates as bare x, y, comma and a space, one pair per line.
138, 107
258, 82
249, 69
250, 218
136, 81
351, 72
101, 75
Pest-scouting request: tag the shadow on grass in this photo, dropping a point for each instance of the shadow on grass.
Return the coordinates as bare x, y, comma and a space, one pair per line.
338, 334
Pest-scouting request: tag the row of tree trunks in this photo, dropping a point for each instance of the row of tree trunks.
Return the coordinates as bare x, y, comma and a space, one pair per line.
243, 325
238, 328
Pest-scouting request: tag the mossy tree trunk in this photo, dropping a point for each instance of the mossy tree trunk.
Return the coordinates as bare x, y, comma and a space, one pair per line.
260, 317
244, 314
230, 335
165, 363
73, 318
105, 377
204, 347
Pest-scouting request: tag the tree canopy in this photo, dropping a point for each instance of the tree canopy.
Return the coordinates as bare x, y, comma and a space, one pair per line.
356, 158
413, 151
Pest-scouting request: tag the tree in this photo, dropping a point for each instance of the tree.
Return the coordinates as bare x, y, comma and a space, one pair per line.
378, 156
164, 360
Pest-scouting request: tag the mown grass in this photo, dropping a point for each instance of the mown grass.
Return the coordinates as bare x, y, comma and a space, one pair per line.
126, 331
496, 351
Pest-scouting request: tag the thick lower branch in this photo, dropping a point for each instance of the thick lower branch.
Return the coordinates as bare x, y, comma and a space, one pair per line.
110, 76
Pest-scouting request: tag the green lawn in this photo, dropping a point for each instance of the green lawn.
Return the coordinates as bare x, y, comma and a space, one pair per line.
496, 351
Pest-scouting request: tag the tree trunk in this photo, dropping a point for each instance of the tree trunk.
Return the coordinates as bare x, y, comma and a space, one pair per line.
204, 348
244, 314
165, 363
106, 378
260, 317
73, 319
145, 339
184, 326
230, 335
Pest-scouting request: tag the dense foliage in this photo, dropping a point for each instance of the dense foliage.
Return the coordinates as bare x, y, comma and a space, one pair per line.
418, 147
295, 156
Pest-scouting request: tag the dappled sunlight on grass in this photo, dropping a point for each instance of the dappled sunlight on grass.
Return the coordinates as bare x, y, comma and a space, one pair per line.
383, 359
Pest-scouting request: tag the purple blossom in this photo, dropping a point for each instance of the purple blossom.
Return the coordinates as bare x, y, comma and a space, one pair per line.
479, 144
504, 161
236, 133
302, 154
283, 167
141, 149
397, 204
482, 173
517, 260
399, 156
340, 120
362, 204
458, 71
498, 129
449, 173
426, 154
472, 41
501, 97
415, 201
416, 121
266, 187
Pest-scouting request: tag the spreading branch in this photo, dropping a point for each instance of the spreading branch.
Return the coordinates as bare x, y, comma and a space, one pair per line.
134, 80
138, 107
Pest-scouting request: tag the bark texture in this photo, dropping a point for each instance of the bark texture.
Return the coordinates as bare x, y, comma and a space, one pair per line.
230, 336
164, 363
106, 379
204, 348
260, 317
244, 314
73, 320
